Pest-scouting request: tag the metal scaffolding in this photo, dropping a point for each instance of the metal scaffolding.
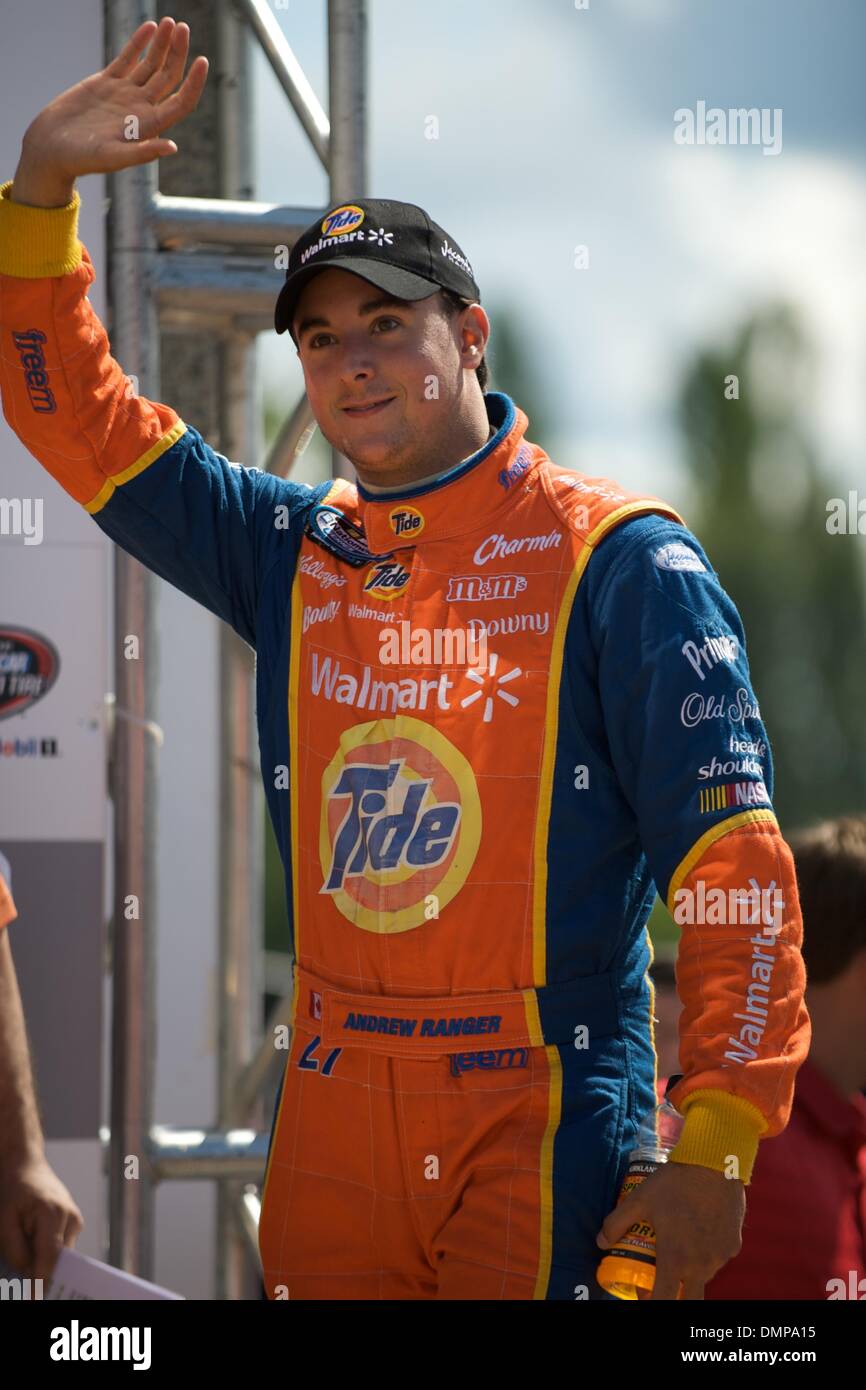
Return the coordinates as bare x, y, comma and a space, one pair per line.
178, 265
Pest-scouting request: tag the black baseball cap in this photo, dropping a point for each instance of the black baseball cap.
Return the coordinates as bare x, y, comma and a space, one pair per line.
395, 246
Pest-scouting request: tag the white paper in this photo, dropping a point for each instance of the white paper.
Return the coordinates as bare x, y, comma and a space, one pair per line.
79, 1277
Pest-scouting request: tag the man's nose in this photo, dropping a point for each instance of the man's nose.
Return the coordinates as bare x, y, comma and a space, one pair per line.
356, 356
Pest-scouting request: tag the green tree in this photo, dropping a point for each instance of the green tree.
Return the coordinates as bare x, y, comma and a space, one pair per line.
511, 370
761, 511
761, 495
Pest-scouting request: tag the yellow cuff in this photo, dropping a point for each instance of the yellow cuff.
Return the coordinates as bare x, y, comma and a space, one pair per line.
720, 1127
38, 242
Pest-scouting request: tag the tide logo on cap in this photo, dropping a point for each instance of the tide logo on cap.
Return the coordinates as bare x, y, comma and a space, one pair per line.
400, 824
406, 521
344, 219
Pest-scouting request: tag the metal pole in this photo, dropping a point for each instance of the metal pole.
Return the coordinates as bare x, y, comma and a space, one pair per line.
214, 370
289, 74
227, 222
241, 821
135, 342
347, 103
292, 439
194, 291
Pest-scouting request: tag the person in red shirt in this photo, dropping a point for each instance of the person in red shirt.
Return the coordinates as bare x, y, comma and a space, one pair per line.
804, 1235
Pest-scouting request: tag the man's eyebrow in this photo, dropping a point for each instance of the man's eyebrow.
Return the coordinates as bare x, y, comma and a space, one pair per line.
385, 301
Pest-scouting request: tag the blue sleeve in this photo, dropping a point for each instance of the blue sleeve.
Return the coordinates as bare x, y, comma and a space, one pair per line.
211, 528
680, 715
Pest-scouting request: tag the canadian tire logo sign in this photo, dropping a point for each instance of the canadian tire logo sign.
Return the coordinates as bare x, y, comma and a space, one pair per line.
28, 668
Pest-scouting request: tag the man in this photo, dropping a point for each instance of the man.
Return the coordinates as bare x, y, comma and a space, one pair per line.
804, 1235
469, 845
37, 1213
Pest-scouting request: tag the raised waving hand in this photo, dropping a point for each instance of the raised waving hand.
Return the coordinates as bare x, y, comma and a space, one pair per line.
113, 119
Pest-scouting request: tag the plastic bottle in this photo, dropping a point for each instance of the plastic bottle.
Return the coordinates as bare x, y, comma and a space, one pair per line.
630, 1265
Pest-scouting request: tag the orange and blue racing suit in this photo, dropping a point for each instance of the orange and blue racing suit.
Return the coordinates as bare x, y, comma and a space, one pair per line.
496, 713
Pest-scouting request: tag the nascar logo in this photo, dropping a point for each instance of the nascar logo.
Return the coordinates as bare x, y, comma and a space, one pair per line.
344, 219
336, 532
733, 794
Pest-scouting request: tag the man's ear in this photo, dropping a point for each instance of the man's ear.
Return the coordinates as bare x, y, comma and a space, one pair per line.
479, 323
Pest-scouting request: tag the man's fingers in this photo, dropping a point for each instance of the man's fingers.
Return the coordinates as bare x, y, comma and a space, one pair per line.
618, 1221
74, 1227
129, 54
174, 108
47, 1242
153, 60
14, 1247
667, 1280
132, 152
125, 154
169, 75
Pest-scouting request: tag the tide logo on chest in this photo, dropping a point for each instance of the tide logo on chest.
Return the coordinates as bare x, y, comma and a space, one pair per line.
400, 824
386, 579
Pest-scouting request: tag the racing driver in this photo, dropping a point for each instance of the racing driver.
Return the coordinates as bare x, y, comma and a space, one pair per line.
471, 846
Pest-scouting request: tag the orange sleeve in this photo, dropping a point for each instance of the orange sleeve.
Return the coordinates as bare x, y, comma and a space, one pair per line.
64, 395
744, 1029
151, 483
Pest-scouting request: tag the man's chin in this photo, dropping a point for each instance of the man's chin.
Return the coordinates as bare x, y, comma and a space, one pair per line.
375, 457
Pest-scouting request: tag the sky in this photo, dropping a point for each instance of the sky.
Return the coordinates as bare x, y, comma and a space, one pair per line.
556, 130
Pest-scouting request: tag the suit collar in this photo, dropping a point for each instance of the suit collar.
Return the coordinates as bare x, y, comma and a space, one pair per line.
472, 493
